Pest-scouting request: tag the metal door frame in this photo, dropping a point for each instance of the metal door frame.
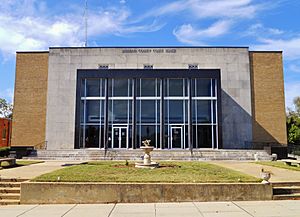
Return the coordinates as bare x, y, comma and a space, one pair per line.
181, 135
119, 127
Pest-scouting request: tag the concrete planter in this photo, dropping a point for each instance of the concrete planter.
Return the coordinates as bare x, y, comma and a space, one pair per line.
63, 193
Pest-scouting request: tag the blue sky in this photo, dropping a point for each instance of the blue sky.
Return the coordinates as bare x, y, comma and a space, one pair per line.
262, 25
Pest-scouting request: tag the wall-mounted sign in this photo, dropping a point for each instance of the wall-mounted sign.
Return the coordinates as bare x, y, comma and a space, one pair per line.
149, 50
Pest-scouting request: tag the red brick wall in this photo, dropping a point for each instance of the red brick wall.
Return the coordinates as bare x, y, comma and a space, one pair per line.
5, 132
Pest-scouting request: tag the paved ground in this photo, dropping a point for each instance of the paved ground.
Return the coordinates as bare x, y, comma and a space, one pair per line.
279, 175
33, 170
195, 209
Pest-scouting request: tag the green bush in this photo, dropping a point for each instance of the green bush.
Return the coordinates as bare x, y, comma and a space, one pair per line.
4, 152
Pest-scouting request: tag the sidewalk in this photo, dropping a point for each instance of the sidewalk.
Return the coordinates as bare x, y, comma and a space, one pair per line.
192, 209
34, 170
279, 175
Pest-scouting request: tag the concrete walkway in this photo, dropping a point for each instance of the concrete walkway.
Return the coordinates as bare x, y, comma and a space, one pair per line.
279, 175
192, 209
33, 170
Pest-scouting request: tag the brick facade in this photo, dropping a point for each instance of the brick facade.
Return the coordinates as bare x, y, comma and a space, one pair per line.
30, 101
268, 106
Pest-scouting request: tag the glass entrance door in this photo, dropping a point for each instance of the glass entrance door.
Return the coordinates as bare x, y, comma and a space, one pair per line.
176, 137
120, 137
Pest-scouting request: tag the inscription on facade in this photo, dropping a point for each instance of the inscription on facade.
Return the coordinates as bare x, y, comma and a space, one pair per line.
149, 50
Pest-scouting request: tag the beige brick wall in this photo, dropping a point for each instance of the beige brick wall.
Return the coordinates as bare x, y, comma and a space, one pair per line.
30, 101
268, 106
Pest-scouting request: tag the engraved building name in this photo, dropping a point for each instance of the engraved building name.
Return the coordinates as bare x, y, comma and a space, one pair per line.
149, 50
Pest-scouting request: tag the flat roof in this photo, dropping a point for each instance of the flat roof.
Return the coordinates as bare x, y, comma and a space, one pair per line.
266, 51
32, 51
149, 47
145, 47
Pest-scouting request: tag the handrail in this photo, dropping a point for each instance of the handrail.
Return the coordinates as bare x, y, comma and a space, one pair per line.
41, 146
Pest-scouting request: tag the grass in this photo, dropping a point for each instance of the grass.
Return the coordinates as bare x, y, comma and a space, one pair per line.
278, 164
171, 172
20, 163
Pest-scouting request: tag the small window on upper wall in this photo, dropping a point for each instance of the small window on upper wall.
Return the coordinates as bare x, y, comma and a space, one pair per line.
193, 66
147, 66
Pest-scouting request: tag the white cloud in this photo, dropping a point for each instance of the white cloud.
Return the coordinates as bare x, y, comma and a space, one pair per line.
292, 90
32, 29
290, 47
209, 8
259, 29
7, 94
225, 12
190, 35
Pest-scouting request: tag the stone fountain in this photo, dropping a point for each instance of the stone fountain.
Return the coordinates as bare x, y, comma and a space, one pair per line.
147, 163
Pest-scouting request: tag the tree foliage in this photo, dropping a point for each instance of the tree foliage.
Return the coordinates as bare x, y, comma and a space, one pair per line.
293, 123
6, 109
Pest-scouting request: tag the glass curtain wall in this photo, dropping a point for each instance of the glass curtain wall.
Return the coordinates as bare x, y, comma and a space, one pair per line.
186, 102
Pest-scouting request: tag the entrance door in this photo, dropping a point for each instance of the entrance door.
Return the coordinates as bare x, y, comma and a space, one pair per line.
120, 137
176, 137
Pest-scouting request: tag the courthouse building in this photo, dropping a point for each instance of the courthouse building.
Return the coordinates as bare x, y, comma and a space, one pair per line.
178, 97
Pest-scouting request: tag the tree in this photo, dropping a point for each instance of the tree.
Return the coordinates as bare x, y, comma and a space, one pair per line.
297, 105
293, 123
6, 109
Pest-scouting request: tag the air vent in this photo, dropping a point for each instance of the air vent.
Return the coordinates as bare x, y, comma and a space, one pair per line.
148, 66
101, 66
193, 66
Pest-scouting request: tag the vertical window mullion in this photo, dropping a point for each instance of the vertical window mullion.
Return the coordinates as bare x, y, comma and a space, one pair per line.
211, 116
128, 94
100, 102
183, 109
216, 113
84, 113
156, 143
196, 114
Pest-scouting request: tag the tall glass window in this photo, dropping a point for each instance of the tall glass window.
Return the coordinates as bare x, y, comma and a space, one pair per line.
92, 113
147, 111
204, 115
176, 113
120, 113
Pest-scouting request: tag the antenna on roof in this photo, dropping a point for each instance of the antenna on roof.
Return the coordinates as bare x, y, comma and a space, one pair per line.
86, 23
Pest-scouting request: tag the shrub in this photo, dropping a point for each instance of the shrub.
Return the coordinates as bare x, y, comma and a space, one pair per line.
4, 152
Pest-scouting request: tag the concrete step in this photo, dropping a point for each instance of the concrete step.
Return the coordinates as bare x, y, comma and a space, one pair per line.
9, 202
287, 197
136, 154
12, 180
285, 184
10, 190
9, 196
10, 184
286, 190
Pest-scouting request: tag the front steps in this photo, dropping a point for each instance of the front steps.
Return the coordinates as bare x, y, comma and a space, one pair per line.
136, 154
10, 190
286, 191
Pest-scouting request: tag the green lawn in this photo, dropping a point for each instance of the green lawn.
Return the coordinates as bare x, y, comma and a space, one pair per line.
174, 172
278, 164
